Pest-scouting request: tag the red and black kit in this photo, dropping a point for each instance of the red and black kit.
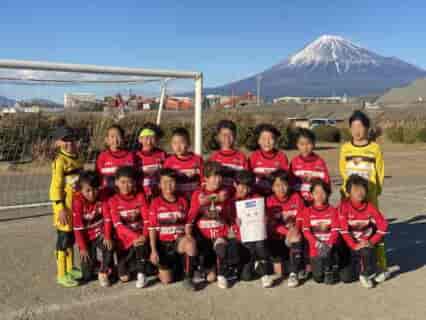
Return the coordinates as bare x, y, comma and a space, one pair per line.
232, 162
150, 163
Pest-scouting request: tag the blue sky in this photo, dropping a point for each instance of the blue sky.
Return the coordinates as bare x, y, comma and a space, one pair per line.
227, 40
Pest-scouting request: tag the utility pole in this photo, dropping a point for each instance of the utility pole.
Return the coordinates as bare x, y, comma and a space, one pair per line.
258, 82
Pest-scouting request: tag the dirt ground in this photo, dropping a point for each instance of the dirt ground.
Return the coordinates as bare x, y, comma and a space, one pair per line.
28, 289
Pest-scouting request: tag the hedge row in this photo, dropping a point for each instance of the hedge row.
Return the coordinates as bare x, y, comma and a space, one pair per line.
406, 134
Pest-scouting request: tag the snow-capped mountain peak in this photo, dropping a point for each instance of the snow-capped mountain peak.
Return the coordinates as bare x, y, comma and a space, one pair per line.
333, 49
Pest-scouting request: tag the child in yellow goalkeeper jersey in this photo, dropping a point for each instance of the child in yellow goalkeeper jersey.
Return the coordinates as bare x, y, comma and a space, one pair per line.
364, 158
65, 172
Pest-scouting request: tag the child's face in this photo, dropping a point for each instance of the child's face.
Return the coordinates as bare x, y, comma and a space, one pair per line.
148, 143
358, 131
305, 146
125, 185
266, 141
113, 139
319, 195
179, 145
88, 192
226, 138
69, 146
213, 182
280, 188
241, 191
358, 193
167, 185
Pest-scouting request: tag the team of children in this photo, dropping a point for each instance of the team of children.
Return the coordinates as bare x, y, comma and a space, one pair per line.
146, 212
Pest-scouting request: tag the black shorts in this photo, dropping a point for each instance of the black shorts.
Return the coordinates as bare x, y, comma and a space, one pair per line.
206, 252
168, 254
279, 250
65, 240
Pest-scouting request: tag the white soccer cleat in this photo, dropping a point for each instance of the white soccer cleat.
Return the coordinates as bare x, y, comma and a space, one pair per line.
222, 282
382, 277
366, 282
141, 281
267, 281
293, 280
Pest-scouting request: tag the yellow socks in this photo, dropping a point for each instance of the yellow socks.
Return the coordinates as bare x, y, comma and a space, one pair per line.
60, 264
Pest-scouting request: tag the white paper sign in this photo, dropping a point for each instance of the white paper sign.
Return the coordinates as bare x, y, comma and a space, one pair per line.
251, 214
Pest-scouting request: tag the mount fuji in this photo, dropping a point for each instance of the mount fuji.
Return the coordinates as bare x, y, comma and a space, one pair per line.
330, 65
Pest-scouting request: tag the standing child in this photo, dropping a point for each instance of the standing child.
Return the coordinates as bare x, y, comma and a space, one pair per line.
150, 158
266, 159
231, 159
363, 227
208, 216
189, 166
321, 230
65, 170
364, 158
92, 228
113, 157
129, 215
307, 165
170, 235
285, 219
256, 252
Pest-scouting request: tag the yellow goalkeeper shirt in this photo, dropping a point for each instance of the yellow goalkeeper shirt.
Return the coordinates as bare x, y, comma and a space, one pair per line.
365, 161
65, 172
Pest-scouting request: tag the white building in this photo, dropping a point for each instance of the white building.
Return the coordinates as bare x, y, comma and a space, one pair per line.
72, 100
302, 100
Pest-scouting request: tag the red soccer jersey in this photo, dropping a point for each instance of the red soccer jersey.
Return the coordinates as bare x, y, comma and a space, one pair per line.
232, 213
232, 162
361, 221
189, 172
130, 217
263, 164
320, 224
209, 227
168, 218
303, 169
108, 162
90, 220
284, 213
150, 163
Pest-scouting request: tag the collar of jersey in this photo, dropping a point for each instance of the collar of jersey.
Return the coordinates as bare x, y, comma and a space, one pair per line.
269, 155
186, 158
228, 153
310, 158
362, 146
321, 208
68, 155
118, 154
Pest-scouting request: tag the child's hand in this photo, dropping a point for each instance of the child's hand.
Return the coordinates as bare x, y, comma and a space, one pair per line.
63, 217
238, 221
108, 244
222, 196
84, 255
155, 259
203, 200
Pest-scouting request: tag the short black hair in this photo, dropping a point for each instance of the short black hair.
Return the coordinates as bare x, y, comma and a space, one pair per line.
253, 143
281, 175
167, 172
245, 177
222, 124
305, 133
152, 126
182, 132
118, 128
126, 172
324, 185
358, 115
356, 180
212, 168
90, 178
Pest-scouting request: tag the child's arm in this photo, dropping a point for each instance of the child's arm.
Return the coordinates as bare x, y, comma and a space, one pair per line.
335, 228
193, 212
381, 224
299, 215
380, 168
344, 229
57, 185
78, 225
153, 224
342, 164
145, 216
107, 220
327, 178
307, 229
284, 162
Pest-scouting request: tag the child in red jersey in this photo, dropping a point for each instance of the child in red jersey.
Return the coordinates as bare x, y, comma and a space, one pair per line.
189, 166
232, 160
307, 165
255, 256
113, 157
129, 215
170, 236
285, 219
92, 228
208, 216
150, 158
321, 230
362, 228
266, 159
